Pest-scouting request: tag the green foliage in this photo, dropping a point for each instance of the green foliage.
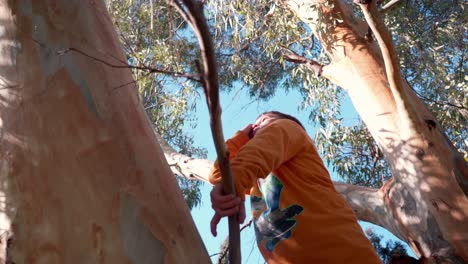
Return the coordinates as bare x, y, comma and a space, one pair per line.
354, 154
431, 39
190, 190
387, 250
250, 37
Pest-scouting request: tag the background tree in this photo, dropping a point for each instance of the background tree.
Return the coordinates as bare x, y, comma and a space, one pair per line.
407, 134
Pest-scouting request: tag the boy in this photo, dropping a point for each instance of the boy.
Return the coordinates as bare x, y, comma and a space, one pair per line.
299, 217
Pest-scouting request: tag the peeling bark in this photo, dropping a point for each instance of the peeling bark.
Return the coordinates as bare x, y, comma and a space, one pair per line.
83, 177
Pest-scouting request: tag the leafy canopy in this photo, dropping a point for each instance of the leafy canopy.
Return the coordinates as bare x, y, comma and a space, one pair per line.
250, 38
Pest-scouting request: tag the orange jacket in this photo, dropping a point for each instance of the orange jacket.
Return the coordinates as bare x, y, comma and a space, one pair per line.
299, 216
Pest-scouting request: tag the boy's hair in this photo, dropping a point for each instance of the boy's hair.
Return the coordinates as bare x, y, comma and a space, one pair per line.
280, 115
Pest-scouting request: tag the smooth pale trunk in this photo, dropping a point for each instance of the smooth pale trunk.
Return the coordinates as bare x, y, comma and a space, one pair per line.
83, 179
425, 202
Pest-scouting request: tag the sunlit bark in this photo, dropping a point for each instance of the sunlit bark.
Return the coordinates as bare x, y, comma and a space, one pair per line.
83, 178
191, 168
427, 196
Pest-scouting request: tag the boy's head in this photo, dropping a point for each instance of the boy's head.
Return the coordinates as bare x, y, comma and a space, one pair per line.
266, 118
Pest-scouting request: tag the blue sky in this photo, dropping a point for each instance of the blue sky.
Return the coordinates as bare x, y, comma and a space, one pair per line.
237, 112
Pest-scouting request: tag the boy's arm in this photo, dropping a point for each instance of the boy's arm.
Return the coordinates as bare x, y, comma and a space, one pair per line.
274, 145
233, 145
225, 205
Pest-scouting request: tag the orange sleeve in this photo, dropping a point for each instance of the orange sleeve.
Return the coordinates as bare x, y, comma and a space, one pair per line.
272, 146
233, 145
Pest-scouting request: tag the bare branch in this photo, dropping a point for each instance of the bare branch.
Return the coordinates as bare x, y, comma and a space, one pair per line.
441, 103
364, 201
225, 245
292, 56
152, 15
180, 9
196, 18
388, 6
128, 66
193, 169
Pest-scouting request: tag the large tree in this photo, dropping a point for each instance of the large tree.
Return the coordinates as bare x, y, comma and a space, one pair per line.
83, 179
419, 191
81, 173
425, 202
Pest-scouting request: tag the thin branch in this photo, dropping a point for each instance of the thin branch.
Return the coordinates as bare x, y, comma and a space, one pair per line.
152, 15
176, 4
441, 103
373, 170
128, 66
225, 245
247, 44
292, 56
196, 18
248, 224
388, 6
132, 81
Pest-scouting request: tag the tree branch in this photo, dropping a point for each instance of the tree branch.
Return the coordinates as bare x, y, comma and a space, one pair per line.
441, 103
388, 6
368, 204
191, 168
195, 16
225, 246
126, 65
409, 119
312, 65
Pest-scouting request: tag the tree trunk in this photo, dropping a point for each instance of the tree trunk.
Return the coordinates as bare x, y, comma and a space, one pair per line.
425, 203
83, 178
190, 168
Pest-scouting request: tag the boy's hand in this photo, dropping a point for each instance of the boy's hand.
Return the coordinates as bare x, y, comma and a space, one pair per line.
247, 130
225, 205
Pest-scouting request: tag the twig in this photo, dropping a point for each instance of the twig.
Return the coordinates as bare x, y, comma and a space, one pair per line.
225, 245
180, 9
292, 56
248, 224
195, 17
131, 82
128, 66
389, 6
440, 103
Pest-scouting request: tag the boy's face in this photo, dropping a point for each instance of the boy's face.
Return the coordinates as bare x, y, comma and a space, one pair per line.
262, 122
